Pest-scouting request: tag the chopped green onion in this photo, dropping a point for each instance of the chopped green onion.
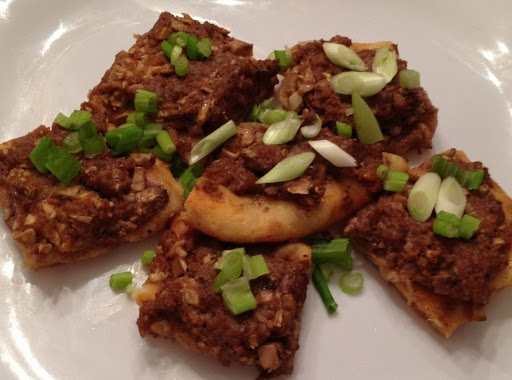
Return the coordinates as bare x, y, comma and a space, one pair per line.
179, 38
333, 153
423, 196
138, 118
255, 111
344, 129
451, 197
205, 47
336, 251
40, 153
289, 168
362, 83
409, 79
385, 63
190, 177
395, 181
62, 165
327, 270
468, 226
62, 120
157, 151
282, 131
382, 172
177, 166
87, 131
469, 179
71, 143
272, 56
120, 280
146, 101
93, 146
321, 285
176, 53
130, 288
254, 266
282, 58
181, 66
192, 50
366, 125
238, 297
227, 255
343, 56
166, 48
146, 141
123, 140
311, 131
209, 143
165, 141
152, 128
270, 116
231, 268
446, 225
351, 282
147, 257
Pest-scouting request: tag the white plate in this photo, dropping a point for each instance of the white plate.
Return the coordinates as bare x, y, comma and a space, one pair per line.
65, 322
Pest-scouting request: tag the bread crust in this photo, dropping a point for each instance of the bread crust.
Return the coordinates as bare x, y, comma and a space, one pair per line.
251, 219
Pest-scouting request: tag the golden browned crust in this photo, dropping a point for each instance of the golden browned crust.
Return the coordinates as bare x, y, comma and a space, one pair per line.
245, 219
444, 313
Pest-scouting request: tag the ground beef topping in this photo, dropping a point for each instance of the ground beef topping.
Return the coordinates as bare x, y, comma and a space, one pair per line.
458, 268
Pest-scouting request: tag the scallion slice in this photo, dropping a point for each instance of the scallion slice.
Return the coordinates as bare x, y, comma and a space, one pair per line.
344, 129
190, 177
157, 151
205, 47
179, 38
289, 168
123, 140
146, 101
423, 196
238, 297
192, 50
469, 179
451, 197
343, 56
165, 141
323, 289
254, 266
447, 225
333, 153
138, 118
395, 181
327, 270
254, 115
351, 283
280, 55
166, 48
362, 83
40, 153
176, 53
385, 63
366, 125
181, 66
282, 131
311, 131
62, 164
93, 146
71, 143
226, 256
209, 143
231, 268
272, 116
147, 257
336, 251
62, 120
468, 226
382, 171
409, 79
119, 281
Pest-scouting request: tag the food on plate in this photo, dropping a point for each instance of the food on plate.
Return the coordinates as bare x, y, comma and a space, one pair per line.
216, 89
179, 301
231, 204
109, 202
446, 268
323, 75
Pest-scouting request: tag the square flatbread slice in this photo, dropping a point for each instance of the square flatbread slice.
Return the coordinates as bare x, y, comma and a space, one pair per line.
178, 301
448, 281
406, 117
222, 87
111, 201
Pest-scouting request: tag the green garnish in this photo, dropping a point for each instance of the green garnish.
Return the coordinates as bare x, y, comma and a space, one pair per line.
146, 101
409, 79
468, 226
323, 289
336, 251
289, 168
120, 280
344, 129
365, 123
467, 178
147, 257
351, 282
